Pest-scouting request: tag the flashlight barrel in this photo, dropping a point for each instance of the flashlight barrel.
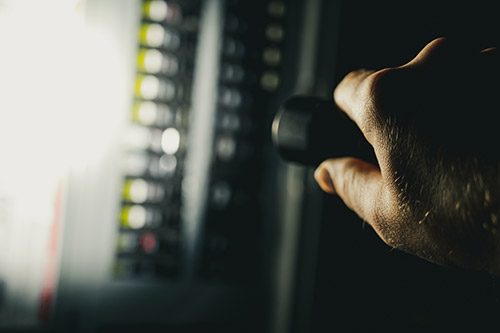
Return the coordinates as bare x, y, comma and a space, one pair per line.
308, 130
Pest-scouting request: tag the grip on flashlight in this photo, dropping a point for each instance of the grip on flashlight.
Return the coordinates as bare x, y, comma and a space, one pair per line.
309, 130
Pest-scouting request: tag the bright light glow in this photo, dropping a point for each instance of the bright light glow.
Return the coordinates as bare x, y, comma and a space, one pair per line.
147, 113
149, 87
36, 99
154, 35
158, 10
136, 217
170, 141
48, 82
153, 60
137, 190
66, 77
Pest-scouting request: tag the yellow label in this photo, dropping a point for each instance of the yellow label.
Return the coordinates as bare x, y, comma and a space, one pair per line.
141, 60
146, 8
126, 190
138, 84
143, 34
124, 216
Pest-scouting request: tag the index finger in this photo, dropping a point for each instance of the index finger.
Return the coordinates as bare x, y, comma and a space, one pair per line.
354, 96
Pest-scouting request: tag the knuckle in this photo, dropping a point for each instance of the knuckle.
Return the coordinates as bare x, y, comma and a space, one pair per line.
388, 89
383, 82
387, 93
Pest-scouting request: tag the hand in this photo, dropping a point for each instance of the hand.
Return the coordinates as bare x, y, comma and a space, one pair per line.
435, 192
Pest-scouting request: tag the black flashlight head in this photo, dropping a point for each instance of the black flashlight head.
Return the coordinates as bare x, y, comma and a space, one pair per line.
308, 130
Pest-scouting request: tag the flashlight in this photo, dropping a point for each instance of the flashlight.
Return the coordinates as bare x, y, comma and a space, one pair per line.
308, 130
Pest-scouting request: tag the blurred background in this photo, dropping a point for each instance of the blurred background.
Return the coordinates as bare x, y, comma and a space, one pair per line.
140, 192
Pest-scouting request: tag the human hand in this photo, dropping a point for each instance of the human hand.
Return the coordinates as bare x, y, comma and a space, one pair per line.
431, 122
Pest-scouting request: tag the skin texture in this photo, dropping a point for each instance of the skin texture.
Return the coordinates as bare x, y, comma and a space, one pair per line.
435, 192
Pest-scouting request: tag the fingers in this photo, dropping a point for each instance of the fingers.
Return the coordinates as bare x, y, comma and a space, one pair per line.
352, 96
359, 184
357, 94
349, 91
368, 96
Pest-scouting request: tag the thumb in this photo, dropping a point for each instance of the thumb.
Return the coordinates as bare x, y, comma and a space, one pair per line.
358, 183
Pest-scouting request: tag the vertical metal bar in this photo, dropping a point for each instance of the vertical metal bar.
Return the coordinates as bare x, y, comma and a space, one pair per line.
201, 129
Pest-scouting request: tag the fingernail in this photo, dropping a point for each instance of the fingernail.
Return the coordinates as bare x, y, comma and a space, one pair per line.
324, 180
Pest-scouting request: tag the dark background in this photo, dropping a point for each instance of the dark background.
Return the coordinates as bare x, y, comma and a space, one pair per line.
345, 278
362, 284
